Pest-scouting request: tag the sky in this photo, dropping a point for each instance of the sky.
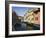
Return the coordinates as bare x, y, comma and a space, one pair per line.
20, 11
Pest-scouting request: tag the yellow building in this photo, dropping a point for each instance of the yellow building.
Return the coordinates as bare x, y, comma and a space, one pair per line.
28, 17
31, 17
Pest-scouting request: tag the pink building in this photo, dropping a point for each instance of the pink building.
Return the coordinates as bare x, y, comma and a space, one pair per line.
37, 16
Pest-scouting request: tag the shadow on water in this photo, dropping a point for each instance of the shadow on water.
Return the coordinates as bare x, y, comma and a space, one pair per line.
25, 26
